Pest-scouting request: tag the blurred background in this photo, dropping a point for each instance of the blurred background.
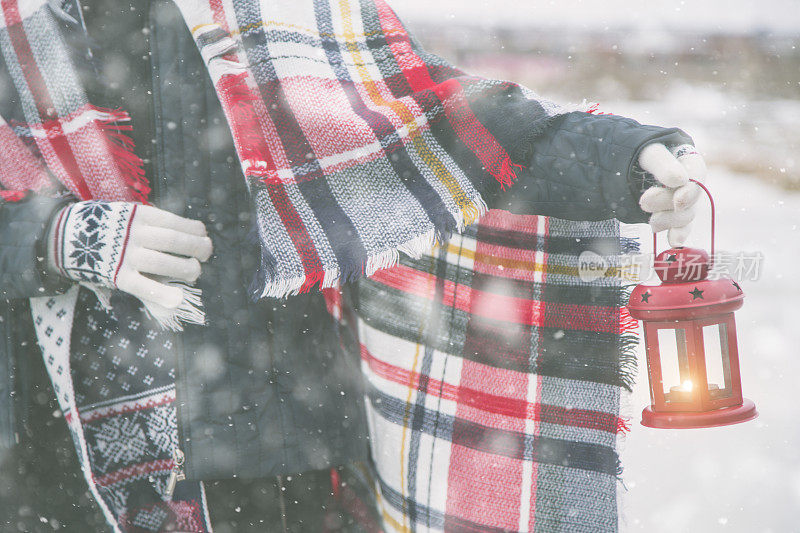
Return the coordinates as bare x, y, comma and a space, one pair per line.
725, 71
728, 73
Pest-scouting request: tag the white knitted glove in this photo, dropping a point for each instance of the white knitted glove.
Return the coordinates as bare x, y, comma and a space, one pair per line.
673, 206
139, 249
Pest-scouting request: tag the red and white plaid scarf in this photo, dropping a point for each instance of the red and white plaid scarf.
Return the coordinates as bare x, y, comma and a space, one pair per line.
494, 378
82, 146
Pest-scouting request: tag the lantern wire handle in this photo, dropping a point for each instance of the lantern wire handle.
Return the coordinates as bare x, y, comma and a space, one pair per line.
713, 218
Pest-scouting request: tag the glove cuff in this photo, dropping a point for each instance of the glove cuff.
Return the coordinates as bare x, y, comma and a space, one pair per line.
89, 240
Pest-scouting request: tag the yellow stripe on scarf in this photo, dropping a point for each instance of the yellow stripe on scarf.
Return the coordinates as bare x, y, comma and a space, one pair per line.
521, 264
465, 204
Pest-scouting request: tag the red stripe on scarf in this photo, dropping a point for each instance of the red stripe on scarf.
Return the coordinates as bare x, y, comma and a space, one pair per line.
470, 130
499, 307
40, 93
63, 151
483, 488
218, 12
495, 410
12, 196
134, 470
238, 99
463, 121
312, 265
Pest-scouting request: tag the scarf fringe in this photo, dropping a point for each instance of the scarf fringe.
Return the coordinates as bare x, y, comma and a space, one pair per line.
112, 123
629, 245
190, 310
508, 173
628, 326
626, 321
628, 363
264, 285
628, 367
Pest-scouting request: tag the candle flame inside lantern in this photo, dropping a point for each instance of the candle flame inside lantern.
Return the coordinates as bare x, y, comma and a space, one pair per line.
687, 385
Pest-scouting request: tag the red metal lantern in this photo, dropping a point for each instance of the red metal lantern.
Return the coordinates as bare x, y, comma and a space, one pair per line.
690, 339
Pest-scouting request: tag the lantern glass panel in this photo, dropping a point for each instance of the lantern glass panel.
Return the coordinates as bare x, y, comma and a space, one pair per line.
675, 372
718, 368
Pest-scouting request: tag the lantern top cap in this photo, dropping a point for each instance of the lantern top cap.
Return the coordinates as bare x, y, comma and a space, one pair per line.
685, 300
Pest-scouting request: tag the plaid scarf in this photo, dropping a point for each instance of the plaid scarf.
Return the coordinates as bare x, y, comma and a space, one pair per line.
494, 379
80, 147
355, 143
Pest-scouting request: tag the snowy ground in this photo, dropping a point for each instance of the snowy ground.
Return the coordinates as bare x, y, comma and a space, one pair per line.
743, 478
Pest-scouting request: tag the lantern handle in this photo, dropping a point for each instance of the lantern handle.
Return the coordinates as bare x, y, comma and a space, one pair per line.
713, 217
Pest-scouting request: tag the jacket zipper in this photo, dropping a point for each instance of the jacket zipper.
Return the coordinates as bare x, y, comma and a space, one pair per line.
158, 186
16, 408
177, 474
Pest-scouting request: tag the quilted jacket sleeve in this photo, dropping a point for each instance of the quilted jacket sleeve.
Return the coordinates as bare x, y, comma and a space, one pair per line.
583, 167
23, 228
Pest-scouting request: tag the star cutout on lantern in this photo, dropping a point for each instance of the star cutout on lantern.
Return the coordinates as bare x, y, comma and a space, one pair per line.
737, 286
696, 293
646, 297
671, 258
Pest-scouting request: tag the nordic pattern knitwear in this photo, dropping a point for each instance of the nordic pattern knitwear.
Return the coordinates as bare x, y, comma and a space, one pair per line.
123, 372
90, 239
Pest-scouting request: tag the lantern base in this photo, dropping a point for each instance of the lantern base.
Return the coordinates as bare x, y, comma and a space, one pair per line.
707, 419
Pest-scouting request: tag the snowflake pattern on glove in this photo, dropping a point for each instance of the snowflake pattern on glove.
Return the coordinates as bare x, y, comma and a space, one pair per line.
87, 249
89, 239
94, 210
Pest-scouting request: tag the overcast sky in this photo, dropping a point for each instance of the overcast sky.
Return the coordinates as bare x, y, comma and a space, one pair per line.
727, 15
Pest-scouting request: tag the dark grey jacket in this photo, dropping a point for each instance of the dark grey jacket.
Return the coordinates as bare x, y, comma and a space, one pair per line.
284, 396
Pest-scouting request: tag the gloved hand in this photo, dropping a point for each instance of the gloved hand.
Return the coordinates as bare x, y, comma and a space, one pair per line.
142, 250
673, 205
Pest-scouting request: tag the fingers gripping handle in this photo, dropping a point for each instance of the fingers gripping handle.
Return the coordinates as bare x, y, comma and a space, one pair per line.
713, 220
